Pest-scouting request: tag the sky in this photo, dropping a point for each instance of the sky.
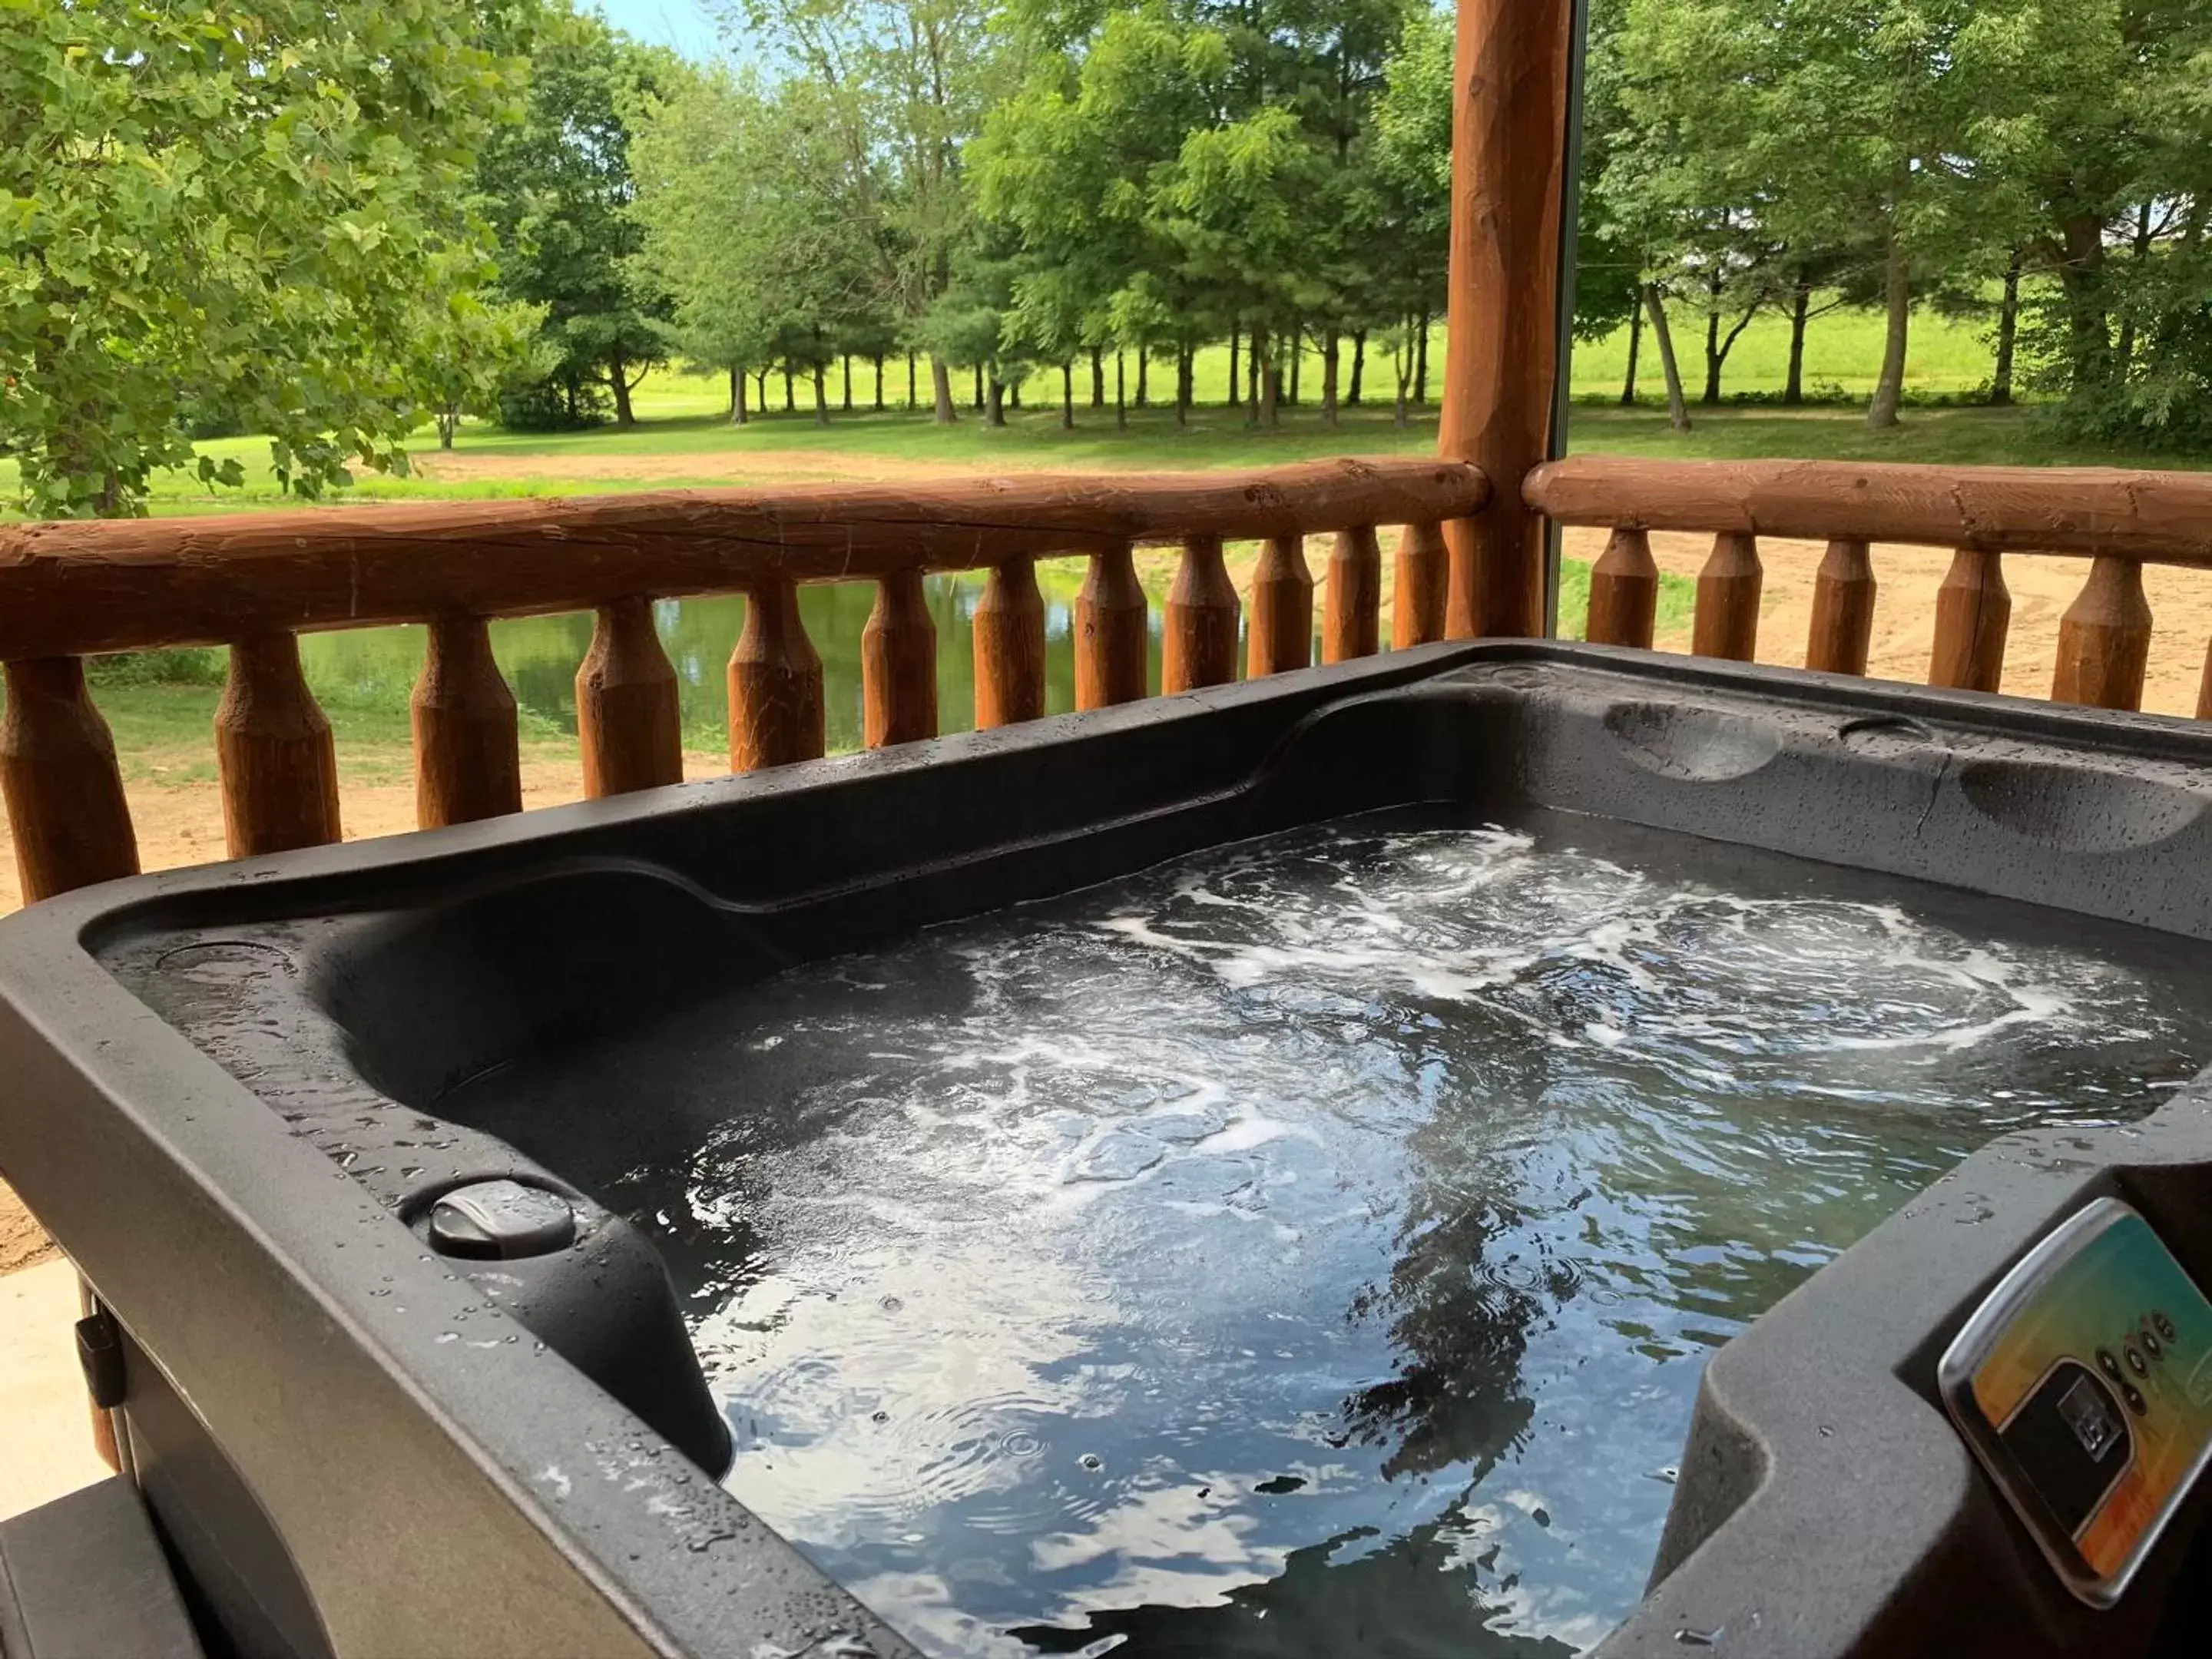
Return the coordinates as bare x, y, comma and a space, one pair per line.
682, 24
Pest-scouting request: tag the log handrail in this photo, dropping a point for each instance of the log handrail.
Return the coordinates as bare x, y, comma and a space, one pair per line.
255, 581
81, 588
2164, 518
2119, 521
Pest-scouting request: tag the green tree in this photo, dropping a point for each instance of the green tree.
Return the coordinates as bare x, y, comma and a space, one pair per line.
746, 224
557, 187
1825, 124
253, 207
2118, 155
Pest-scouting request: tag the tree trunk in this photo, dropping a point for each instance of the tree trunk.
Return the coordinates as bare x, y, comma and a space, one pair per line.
2007, 332
1421, 362
848, 381
978, 388
448, 419
1014, 394
2124, 355
879, 383
1402, 359
1711, 396
940, 388
1067, 397
1266, 354
1186, 374
737, 397
1800, 302
1144, 381
994, 402
1635, 345
624, 416
1897, 299
1330, 353
1236, 340
1256, 343
760, 389
910, 399
2088, 333
1655, 305
1098, 378
1359, 367
1120, 389
790, 396
821, 393
1297, 358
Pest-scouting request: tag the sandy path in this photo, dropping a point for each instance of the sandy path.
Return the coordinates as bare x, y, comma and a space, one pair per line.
751, 466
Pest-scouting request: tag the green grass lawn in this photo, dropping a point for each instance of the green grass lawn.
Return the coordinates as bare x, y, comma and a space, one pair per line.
682, 415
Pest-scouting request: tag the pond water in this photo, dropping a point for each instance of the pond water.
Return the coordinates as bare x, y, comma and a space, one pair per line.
539, 655
1311, 1247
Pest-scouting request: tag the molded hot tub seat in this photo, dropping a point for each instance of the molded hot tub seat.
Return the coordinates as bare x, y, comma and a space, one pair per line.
227, 1088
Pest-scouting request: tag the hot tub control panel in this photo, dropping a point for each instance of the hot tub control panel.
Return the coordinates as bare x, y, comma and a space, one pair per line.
2084, 1385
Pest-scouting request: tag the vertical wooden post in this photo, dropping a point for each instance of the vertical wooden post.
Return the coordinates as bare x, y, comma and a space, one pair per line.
1351, 626
630, 723
1727, 599
898, 665
468, 758
1110, 632
1424, 577
1843, 611
1973, 613
1509, 169
1281, 634
274, 751
1624, 591
1200, 643
64, 790
775, 684
2104, 639
1009, 631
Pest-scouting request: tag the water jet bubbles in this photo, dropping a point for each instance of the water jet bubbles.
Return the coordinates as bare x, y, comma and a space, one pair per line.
1092, 1461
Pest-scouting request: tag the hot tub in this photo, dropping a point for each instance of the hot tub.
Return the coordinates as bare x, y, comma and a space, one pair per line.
1380, 1160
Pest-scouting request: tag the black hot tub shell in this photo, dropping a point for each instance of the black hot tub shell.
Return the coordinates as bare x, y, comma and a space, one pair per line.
219, 1083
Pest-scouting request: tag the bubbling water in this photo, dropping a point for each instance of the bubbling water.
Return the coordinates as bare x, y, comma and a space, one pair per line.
1311, 1247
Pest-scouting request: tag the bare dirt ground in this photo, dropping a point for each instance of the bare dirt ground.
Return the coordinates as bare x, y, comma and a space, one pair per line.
752, 467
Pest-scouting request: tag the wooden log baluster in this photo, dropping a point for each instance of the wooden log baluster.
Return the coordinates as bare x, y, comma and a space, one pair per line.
1009, 630
1973, 613
274, 751
1351, 626
1843, 610
1463, 570
2204, 688
898, 665
630, 723
1281, 634
64, 789
1200, 643
1111, 631
1624, 591
1727, 599
2104, 639
468, 757
776, 684
1424, 582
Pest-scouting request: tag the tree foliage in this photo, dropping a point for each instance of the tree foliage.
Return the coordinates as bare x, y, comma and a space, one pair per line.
258, 207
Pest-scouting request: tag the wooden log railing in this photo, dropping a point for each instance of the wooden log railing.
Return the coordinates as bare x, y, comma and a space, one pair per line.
2119, 521
253, 583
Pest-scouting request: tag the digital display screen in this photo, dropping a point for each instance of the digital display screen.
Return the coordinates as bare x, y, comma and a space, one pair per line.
2089, 1414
